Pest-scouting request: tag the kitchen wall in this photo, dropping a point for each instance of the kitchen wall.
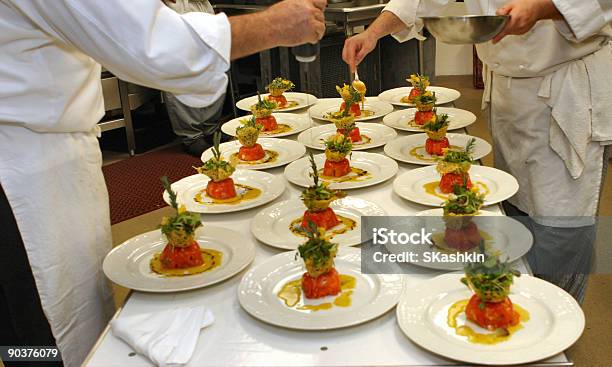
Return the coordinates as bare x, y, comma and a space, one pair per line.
454, 59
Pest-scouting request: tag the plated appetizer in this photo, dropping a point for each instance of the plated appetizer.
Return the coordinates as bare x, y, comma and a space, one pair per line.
221, 187
351, 99
490, 307
182, 255
425, 108
454, 167
317, 198
262, 111
321, 278
461, 233
252, 152
337, 147
419, 85
436, 142
276, 90
344, 121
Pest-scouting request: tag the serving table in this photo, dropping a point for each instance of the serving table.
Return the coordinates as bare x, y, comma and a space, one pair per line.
238, 339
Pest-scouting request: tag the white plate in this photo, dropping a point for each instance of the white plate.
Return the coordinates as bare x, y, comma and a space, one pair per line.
380, 169
557, 321
298, 123
400, 148
510, 239
271, 225
186, 188
373, 296
303, 99
288, 151
457, 119
321, 109
395, 95
378, 134
501, 185
128, 263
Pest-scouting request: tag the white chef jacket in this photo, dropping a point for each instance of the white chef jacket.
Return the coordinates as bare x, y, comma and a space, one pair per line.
566, 66
50, 103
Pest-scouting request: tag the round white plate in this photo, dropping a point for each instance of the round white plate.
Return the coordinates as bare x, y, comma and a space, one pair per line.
400, 148
303, 99
329, 105
128, 263
379, 135
271, 225
373, 296
510, 239
457, 118
409, 186
298, 123
288, 151
380, 167
186, 189
395, 95
556, 322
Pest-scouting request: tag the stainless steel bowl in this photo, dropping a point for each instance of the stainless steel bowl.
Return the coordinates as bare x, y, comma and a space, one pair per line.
466, 29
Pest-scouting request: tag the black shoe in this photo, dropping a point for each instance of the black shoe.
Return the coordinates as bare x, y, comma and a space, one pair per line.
197, 147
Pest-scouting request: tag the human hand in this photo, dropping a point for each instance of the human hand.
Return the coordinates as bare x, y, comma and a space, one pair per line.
296, 22
356, 48
524, 14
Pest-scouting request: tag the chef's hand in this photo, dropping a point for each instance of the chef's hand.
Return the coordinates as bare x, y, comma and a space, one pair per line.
356, 48
297, 21
524, 14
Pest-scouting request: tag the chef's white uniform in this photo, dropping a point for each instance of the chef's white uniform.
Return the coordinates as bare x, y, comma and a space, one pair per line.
51, 101
549, 99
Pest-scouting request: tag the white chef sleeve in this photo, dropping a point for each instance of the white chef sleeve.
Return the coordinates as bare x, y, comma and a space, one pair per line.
144, 42
410, 11
582, 18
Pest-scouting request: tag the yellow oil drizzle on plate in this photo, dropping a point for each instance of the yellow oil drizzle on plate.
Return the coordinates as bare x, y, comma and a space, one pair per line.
432, 189
367, 113
270, 157
426, 157
364, 140
439, 242
291, 294
289, 105
347, 224
356, 175
280, 129
212, 259
481, 338
244, 193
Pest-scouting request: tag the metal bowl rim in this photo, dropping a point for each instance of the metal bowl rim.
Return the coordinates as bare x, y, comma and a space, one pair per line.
459, 17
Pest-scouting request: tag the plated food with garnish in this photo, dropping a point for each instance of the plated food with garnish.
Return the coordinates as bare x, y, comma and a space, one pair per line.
405, 120
319, 287
419, 85
490, 316
253, 153
462, 227
286, 124
413, 148
220, 188
182, 254
372, 136
374, 109
279, 96
286, 224
422, 185
335, 167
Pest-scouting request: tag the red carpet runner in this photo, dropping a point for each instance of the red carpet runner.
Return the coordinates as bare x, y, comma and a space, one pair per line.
133, 184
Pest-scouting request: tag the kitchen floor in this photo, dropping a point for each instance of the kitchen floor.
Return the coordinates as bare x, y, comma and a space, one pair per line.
593, 348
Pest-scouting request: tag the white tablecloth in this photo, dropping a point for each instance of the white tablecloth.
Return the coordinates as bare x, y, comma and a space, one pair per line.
237, 339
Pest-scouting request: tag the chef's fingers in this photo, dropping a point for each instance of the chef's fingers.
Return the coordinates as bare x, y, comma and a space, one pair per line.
318, 15
319, 30
505, 10
348, 53
321, 4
